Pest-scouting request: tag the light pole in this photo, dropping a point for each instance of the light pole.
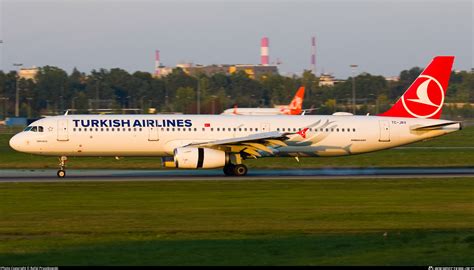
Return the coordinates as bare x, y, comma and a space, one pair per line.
29, 106
5, 99
142, 104
213, 104
198, 96
73, 105
17, 94
353, 89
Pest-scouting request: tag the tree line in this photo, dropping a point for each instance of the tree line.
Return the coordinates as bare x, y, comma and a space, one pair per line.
54, 91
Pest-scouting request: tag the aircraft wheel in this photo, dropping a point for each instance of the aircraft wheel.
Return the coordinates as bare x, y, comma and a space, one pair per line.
229, 169
61, 173
240, 170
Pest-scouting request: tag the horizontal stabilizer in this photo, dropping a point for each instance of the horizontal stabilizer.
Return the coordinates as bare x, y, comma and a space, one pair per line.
437, 126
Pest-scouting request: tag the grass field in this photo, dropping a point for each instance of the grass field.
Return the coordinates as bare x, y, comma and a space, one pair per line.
414, 156
324, 222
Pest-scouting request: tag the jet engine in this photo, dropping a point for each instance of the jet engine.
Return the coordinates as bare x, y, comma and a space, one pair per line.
193, 158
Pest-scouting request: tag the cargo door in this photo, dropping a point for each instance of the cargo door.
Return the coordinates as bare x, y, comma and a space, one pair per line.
153, 134
384, 127
63, 134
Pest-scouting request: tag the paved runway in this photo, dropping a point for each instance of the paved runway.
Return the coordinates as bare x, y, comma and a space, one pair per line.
49, 175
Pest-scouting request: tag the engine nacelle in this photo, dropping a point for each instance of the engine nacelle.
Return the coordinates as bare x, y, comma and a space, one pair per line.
194, 158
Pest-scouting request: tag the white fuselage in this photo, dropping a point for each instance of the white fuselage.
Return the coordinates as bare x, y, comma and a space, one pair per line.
159, 135
255, 111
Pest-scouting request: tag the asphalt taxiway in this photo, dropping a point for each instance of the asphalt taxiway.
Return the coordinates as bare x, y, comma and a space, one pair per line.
49, 175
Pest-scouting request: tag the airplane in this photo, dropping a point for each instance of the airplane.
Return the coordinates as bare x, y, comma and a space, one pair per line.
294, 108
225, 141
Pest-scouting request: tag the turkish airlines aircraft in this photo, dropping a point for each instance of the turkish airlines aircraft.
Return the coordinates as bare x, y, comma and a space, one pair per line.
214, 141
294, 108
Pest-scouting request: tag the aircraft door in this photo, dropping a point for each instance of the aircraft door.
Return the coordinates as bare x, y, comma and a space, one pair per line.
265, 127
384, 127
63, 134
153, 134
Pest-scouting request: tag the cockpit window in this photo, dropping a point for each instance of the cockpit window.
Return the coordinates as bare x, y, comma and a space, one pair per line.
34, 129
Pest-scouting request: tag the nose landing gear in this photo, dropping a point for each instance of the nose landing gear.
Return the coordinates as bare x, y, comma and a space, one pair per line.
62, 165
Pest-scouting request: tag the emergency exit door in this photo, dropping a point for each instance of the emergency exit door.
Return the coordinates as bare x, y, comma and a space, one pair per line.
265, 127
384, 127
153, 134
62, 130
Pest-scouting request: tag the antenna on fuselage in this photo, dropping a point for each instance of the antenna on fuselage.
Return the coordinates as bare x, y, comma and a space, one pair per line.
66, 113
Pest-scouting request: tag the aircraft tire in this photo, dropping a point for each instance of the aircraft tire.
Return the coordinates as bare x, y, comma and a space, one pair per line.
240, 170
61, 173
229, 170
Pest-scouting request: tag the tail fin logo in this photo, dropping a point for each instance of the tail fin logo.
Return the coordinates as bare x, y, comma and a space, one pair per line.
427, 100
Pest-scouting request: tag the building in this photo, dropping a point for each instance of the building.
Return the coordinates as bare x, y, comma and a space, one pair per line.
327, 79
28, 73
253, 71
392, 79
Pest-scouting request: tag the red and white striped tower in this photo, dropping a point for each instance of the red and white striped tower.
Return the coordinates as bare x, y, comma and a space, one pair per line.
313, 55
264, 59
157, 63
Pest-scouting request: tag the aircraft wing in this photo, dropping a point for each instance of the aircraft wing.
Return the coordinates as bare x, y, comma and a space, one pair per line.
433, 127
248, 144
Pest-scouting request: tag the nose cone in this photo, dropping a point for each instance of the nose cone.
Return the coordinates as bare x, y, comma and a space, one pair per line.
15, 142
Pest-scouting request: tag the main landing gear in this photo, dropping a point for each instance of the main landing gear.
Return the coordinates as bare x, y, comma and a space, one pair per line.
235, 170
62, 165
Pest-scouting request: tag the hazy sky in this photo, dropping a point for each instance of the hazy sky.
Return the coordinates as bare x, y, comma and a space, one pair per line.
382, 37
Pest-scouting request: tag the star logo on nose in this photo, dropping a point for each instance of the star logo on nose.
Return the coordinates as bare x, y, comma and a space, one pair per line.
50, 129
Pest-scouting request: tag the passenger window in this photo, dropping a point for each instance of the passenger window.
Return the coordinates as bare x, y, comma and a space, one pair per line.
342, 130
337, 129
354, 129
